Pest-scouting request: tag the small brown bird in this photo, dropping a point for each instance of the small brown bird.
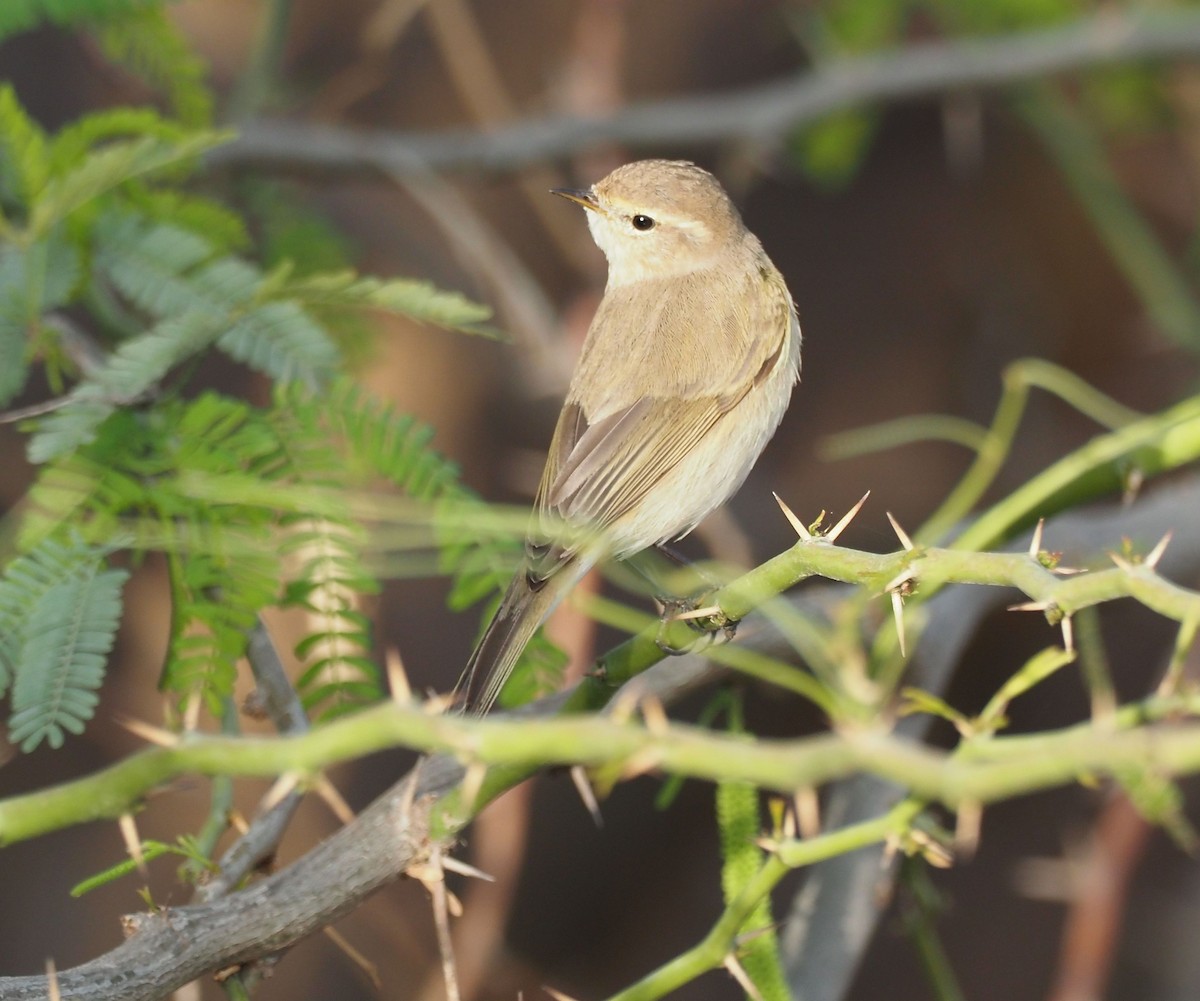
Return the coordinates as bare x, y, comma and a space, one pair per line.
685, 374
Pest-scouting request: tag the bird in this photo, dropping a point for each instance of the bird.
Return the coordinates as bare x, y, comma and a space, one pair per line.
684, 376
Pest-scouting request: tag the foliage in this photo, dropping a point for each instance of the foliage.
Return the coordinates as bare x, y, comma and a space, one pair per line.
118, 277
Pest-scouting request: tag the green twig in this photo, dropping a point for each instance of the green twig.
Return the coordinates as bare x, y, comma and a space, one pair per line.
710, 952
516, 747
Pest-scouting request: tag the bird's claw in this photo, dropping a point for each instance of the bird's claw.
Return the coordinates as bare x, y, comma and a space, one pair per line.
713, 627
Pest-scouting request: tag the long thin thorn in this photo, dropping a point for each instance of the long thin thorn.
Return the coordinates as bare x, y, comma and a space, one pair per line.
808, 811
654, 714
1068, 632
472, 782
1030, 606
898, 612
280, 790
795, 522
455, 865
849, 516
966, 828
133, 844
1121, 562
707, 612
902, 535
583, 786
397, 677
1156, 553
1035, 544
738, 972
152, 734
53, 992
333, 799
557, 995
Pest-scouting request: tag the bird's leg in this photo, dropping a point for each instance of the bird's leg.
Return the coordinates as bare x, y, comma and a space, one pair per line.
675, 606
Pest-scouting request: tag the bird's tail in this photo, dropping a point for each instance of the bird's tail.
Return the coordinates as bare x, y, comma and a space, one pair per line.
523, 609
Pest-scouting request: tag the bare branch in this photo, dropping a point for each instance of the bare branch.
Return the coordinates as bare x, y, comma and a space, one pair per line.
758, 115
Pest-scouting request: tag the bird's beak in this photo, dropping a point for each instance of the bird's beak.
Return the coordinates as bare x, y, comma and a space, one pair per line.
582, 196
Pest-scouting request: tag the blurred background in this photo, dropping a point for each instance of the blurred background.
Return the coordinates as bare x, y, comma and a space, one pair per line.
930, 237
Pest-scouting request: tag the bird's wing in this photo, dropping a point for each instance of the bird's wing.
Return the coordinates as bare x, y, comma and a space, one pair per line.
598, 471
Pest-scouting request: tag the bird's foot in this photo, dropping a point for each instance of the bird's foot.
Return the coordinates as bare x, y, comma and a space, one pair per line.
713, 625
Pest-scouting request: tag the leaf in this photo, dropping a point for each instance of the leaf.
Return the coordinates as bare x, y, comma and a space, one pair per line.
33, 280
147, 43
282, 341
419, 300
23, 156
130, 371
110, 166
830, 151
70, 632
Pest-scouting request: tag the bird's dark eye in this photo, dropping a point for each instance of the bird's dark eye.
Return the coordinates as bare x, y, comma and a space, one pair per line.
642, 222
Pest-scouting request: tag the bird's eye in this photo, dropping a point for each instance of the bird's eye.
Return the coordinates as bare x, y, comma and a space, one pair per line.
642, 222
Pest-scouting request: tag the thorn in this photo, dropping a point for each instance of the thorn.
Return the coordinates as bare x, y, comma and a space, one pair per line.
1068, 632
280, 789
150, 734
436, 705
333, 799
902, 535
133, 844
237, 820
1030, 606
463, 869
557, 995
738, 972
472, 782
808, 811
1121, 562
840, 527
356, 957
583, 786
1035, 544
640, 762
966, 828
625, 704
654, 715
397, 677
900, 583
795, 522
53, 992
1156, 553
191, 713
898, 613
699, 613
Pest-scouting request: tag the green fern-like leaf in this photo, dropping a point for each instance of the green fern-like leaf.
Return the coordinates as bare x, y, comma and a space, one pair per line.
146, 42
24, 162
129, 372
280, 340
419, 300
33, 281
59, 607
110, 166
69, 635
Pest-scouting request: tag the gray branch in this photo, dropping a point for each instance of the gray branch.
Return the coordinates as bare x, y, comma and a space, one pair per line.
759, 115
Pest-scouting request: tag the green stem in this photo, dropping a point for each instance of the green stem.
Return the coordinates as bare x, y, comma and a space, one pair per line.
710, 952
